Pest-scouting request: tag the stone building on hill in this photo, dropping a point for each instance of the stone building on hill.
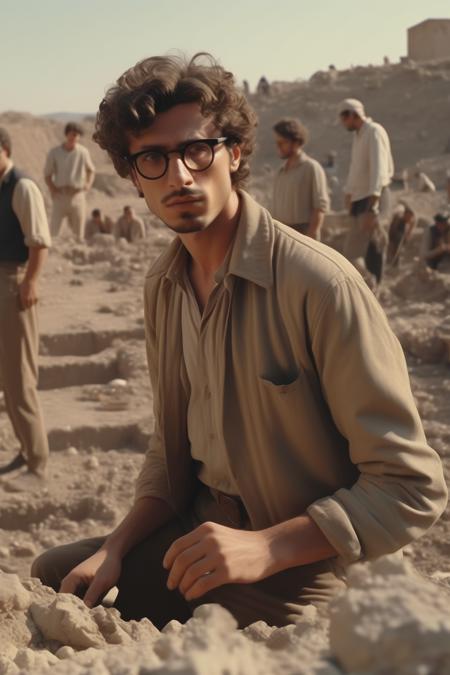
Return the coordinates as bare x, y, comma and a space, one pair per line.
429, 40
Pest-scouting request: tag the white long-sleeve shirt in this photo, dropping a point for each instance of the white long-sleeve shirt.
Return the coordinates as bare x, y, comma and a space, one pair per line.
28, 205
371, 164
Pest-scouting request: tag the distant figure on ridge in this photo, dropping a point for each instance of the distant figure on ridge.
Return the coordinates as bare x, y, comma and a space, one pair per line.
69, 173
367, 194
98, 224
24, 240
129, 226
300, 194
263, 86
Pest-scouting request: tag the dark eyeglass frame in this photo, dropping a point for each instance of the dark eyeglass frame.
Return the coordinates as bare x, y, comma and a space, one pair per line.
181, 150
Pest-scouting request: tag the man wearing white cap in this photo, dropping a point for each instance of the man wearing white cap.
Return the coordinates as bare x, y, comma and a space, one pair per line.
367, 192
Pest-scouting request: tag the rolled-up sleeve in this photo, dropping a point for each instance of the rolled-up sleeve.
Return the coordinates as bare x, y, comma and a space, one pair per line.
152, 480
28, 205
321, 199
400, 491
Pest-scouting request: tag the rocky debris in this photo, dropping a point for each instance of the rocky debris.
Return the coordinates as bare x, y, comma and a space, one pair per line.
13, 596
389, 620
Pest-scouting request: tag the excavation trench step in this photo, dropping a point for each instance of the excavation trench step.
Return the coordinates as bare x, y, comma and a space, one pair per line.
85, 343
95, 416
72, 371
104, 437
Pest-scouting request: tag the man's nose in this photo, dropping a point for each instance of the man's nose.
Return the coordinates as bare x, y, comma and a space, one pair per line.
177, 173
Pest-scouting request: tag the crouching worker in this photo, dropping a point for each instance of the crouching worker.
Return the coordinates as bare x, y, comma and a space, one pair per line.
287, 443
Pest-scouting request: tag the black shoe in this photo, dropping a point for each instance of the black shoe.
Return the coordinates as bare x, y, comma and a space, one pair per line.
14, 464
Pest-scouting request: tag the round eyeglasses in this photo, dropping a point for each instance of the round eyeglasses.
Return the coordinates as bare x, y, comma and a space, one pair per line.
195, 155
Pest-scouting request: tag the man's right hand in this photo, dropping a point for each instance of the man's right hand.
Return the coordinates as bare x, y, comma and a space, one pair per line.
98, 574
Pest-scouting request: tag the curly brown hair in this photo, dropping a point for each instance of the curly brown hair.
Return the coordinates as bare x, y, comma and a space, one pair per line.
292, 129
158, 83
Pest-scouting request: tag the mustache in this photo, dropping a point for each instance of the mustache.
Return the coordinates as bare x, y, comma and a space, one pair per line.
183, 192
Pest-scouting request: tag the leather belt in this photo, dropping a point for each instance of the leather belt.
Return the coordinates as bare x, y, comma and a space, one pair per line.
232, 506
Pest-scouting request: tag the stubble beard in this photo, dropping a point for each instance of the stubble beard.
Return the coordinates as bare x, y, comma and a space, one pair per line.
187, 223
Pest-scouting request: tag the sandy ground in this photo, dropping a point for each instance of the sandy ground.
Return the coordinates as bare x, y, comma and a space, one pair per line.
97, 404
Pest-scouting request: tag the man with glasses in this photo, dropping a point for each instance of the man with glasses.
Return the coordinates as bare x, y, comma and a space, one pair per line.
367, 192
286, 440
24, 241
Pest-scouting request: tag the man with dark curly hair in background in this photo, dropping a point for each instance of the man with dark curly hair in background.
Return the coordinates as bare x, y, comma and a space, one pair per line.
286, 443
300, 191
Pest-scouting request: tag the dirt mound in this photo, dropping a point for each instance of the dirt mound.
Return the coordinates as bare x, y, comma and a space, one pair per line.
389, 620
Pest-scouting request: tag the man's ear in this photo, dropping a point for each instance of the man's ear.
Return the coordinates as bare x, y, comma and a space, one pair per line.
135, 181
235, 155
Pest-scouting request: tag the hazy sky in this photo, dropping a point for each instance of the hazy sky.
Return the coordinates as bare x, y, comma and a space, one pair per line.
58, 55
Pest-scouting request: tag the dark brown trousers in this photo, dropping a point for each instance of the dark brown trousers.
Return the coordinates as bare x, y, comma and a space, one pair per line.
278, 600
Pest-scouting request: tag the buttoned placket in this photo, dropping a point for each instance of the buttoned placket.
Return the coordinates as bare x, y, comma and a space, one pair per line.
209, 350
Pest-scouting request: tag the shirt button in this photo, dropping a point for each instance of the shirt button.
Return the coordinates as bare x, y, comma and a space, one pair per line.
207, 394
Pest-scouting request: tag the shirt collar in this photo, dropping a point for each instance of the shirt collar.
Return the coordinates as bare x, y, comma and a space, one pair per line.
301, 159
250, 256
364, 126
7, 175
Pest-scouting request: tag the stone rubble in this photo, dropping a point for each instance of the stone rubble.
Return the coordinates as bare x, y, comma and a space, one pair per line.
389, 620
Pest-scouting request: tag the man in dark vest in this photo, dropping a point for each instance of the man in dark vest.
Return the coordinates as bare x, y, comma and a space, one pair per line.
24, 240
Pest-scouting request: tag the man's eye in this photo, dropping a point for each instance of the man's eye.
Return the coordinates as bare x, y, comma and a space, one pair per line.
197, 149
152, 158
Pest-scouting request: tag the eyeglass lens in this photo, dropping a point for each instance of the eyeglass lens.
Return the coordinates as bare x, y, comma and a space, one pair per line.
196, 156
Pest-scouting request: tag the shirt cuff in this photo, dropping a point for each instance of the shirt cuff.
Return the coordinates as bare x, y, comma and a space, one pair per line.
336, 525
37, 241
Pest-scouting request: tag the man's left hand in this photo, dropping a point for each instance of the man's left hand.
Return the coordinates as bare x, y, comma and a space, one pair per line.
28, 294
213, 555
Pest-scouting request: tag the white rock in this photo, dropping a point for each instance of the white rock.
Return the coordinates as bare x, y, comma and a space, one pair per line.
65, 652
118, 382
91, 463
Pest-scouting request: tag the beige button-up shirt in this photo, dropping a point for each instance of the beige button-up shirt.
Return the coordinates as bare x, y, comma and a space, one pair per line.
299, 190
200, 348
69, 168
28, 205
316, 409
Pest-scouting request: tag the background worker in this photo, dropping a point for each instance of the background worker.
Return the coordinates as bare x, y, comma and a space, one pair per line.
69, 173
367, 194
300, 192
24, 240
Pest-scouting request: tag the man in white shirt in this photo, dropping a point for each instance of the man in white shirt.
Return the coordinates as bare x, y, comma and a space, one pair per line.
69, 173
300, 193
367, 193
24, 240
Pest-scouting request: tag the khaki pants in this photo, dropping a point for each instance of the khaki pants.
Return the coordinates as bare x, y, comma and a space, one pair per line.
278, 600
360, 234
72, 207
18, 368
